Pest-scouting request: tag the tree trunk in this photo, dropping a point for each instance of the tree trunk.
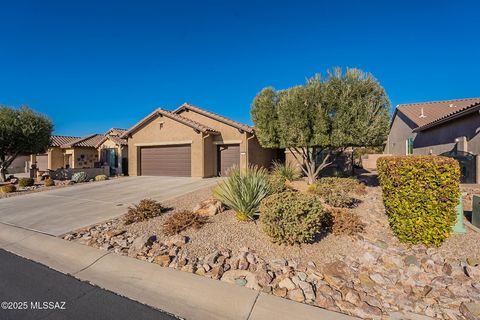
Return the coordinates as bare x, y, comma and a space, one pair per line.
3, 173
306, 158
4, 164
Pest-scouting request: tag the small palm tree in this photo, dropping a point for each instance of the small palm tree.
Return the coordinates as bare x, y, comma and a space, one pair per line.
243, 191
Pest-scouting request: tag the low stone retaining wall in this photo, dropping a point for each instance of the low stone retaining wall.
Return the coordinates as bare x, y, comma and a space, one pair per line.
66, 174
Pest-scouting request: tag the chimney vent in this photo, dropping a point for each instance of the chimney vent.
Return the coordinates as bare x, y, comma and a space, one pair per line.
422, 115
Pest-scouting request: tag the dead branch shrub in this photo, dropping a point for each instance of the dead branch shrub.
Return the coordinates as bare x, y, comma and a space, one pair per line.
183, 220
345, 222
146, 209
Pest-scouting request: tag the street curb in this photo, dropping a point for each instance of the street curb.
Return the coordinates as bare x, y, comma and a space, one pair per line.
181, 293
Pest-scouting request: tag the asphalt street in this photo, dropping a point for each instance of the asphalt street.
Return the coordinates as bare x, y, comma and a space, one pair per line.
29, 290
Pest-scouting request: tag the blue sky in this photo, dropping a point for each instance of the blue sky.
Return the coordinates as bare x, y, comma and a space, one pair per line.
92, 65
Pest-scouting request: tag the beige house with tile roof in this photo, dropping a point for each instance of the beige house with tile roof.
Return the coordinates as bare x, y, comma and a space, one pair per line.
449, 127
191, 141
84, 152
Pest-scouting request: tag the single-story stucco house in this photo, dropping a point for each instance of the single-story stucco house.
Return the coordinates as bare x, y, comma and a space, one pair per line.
192, 142
85, 152
449, 127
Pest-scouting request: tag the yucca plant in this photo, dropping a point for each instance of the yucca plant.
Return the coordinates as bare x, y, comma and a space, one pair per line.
287, 170
243, 191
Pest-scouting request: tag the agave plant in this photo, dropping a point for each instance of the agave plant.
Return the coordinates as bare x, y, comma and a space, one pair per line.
288, 170
243, 191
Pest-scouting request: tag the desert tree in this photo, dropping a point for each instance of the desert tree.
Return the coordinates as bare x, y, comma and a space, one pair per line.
323, 116
22, 131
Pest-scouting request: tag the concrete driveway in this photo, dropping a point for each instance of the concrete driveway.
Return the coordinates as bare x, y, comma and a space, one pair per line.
62, 210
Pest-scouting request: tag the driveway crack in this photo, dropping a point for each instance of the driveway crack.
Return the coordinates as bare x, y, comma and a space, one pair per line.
253, 305
91, 264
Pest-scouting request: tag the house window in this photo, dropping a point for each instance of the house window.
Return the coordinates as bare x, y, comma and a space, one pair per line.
409, 145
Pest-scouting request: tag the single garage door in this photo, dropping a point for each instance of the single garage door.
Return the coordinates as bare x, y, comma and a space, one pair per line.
166, 161
228, 156
42, 162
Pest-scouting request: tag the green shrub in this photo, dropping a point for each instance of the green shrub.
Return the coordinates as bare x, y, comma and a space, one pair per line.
288, 170
8, 188
292, 217
146, 209
277, 182
101, 177
49, 182
243, 191
337, 192
80, 177
420, 194
26, 182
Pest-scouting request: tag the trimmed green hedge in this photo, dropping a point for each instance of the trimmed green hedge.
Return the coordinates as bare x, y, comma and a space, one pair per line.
420, 195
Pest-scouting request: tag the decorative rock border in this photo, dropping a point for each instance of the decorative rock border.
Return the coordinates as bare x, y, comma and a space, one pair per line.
400, 282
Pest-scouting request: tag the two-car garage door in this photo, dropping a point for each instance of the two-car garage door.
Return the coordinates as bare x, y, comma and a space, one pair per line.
166, 161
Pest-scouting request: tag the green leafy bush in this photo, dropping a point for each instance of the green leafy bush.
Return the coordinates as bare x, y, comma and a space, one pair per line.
288, 170
80, 177
420, 194
146, 209
49, 182
8, 188
277, 182
337, 192
292, 217
101, 177
243, 191
26, 182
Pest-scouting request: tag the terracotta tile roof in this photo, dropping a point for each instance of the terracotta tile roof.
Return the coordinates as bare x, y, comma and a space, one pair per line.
119, 130
451, 116
193, 124
116, 139
57, 141
215, 116
88, 141
426, 113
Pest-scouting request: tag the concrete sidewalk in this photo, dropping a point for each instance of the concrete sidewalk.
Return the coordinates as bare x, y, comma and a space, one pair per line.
183, 294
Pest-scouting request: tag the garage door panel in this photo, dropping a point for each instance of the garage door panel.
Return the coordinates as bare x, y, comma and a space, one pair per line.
229, 157
42, 162
166, 161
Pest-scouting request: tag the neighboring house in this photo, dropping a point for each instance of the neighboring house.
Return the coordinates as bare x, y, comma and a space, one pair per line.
191, 141
113, 150
85, 152
450, 128
55, 157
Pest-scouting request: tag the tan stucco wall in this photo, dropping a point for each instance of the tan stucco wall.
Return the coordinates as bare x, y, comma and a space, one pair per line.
172, 132
400, 131
55, 158
90, 157
231, 135
257, 155
209, 156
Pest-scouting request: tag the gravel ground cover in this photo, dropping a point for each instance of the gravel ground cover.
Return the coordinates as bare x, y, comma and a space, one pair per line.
370, 275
